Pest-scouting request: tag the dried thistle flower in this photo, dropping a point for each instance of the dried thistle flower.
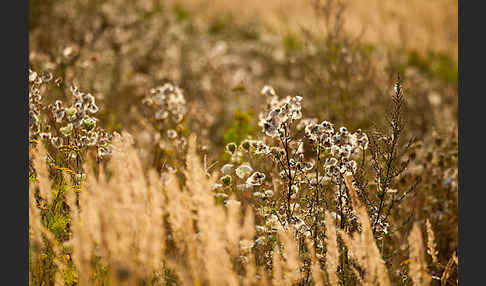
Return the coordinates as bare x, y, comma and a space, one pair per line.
227, 169
244, 170
256, 179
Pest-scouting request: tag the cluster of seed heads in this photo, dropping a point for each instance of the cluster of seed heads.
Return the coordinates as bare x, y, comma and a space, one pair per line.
341, 146
167, 101
73, 124
282, 112
35, 101
282, 124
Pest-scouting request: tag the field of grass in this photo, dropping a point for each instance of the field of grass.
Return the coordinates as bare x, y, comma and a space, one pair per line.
411, 25
269, 142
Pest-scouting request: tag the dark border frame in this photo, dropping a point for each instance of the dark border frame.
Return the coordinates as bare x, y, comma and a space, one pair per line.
14, 212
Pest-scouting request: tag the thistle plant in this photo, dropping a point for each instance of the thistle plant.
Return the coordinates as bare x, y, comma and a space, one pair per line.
166, 110
68, 129
308, 163
168, 104
330, 155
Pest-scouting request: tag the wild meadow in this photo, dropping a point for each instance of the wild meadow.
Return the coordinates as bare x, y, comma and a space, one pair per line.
262, 143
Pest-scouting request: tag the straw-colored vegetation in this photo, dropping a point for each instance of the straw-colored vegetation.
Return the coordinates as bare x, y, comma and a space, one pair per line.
182, 143
410, 24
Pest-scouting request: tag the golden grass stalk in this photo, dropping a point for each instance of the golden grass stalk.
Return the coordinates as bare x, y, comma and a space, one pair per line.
417, 267
362, 246
431, 245
332, 254
315, 267
286, 264
42, 173
448, 269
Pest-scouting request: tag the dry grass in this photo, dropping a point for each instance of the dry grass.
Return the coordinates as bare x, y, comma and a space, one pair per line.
362, 246
137, 225
410, 24
418, 266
